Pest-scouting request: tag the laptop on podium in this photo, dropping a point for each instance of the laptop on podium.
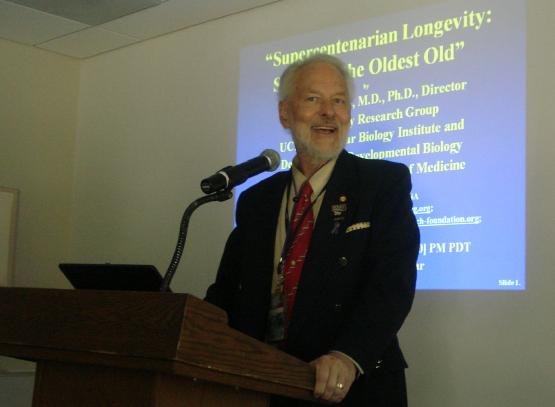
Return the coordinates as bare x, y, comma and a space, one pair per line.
107, 276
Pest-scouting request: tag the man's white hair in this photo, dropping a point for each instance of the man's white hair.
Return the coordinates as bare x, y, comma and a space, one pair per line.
288, 77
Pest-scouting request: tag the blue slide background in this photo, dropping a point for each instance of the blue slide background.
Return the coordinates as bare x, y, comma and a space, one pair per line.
484, 247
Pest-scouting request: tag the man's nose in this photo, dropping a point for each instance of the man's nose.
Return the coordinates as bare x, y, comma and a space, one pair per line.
326, 109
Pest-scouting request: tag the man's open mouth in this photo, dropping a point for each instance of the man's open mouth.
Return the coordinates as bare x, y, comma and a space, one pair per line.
325, 129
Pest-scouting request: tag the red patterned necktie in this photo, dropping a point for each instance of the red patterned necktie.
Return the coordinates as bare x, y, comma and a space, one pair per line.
301, 232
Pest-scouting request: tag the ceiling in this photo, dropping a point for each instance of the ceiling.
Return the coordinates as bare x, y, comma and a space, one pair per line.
84, 28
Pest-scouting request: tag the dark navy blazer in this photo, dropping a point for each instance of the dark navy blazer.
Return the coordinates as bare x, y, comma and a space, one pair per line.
357, 284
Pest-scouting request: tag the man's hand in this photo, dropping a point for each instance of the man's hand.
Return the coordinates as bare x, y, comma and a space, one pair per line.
335, 373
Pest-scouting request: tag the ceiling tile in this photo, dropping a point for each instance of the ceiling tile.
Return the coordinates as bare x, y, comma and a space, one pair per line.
29, 26
24, 25
174, 15
88, 42
87, 11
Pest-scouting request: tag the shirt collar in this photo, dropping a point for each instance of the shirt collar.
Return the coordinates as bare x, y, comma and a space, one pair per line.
318, 181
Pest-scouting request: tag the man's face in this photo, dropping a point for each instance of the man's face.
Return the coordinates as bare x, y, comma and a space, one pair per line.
317, 111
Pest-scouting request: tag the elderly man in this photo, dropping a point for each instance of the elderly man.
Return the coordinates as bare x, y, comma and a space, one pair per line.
322, 261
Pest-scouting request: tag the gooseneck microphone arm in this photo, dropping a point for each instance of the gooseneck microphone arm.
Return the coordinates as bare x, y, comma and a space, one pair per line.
220, 196
218, 187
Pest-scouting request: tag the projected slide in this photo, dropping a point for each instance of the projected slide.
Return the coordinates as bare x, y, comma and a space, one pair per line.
442, 90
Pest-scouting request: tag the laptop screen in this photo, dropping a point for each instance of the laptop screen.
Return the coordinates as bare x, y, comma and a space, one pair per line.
121, 277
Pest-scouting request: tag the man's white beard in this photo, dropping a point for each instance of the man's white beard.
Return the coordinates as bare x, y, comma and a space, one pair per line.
304, 146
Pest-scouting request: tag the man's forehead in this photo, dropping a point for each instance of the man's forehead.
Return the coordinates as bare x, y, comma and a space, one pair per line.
315, 75
339, 91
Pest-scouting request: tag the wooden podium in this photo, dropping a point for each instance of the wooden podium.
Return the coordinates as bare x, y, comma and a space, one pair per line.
135, 349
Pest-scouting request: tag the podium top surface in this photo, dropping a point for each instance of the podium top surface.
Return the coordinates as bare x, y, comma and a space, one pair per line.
165, 332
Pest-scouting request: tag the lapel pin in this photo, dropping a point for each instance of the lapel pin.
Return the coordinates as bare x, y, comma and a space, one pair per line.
338, 211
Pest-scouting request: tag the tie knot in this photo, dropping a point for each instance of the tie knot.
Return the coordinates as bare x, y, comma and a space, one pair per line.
306, 191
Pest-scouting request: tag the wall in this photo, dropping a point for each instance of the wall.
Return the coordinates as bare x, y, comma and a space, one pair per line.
38, 116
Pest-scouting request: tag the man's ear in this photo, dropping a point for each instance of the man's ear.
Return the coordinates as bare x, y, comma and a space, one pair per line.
284, 113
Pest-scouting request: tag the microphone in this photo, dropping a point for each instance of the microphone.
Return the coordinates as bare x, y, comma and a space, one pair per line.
231, 176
